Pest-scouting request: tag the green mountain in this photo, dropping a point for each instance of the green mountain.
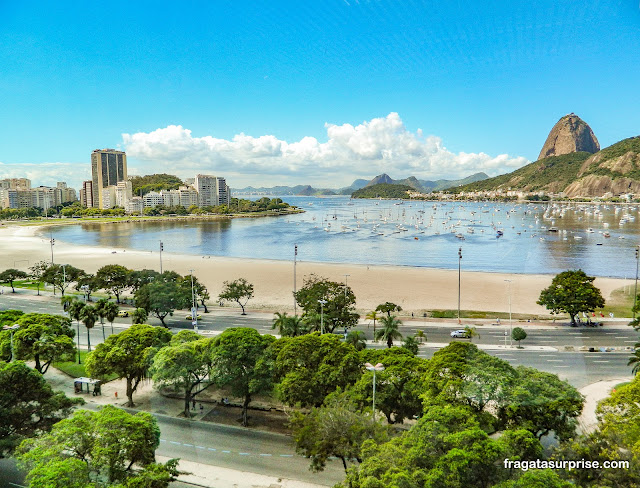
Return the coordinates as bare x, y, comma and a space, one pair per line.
142, 185
615, 169
383, 190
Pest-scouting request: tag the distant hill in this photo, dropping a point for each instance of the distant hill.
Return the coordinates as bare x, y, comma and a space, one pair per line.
383, 190
426, 186
145, 184
615, 169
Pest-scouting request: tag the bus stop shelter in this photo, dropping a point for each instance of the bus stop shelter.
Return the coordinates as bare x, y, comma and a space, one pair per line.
79, 385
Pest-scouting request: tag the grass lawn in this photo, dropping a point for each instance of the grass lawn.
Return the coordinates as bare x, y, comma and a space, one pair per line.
478, 314
75, 370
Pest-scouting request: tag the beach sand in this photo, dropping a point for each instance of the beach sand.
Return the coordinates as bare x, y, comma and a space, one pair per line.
415, 289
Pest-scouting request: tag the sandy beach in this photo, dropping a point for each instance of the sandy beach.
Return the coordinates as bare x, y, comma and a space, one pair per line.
415, 289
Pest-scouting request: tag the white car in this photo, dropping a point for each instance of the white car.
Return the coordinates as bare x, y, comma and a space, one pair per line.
459, 333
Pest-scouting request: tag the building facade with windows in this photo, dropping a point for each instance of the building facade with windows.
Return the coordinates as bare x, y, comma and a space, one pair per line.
108, 168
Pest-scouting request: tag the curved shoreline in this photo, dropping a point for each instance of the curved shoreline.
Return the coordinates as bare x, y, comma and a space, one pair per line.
416, 289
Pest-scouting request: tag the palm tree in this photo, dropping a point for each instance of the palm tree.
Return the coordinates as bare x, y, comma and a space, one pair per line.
75, 308
89, 316
420, 335
357, 339
373, 315
635, 360
101, 313
389, 331
65, 302
111, 312
290, 326
280, 322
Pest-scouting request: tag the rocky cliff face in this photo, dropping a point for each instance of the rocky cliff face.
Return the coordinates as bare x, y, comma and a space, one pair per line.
570, 134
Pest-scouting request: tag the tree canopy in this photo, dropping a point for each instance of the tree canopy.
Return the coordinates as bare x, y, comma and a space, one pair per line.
94, 449
339, 309
128, 355
114, 278
571, 292
239, 291
240, 362
8, 276
162, 296
28, 405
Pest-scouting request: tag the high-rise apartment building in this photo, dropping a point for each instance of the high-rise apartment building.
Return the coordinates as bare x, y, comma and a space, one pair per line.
212, 190
108, 168
86, 194
15, 184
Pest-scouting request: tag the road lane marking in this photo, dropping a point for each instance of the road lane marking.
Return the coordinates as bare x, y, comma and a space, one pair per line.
226, 452
174, 442
188, 445
548, 355
199, 447
286, 455
266, 454
547, 341
555, 360
243, 453
602, 361
211, 448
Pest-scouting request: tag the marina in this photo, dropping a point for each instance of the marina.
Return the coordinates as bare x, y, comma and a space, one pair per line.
526, 238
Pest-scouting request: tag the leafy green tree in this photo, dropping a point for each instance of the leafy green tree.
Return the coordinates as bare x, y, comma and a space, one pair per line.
571, 292
445, 449
337, 428
88, 284
128, 355
61, 276
357, 339
541, 403
339, 311
388, 308
36, 272
114, 278
89, 316
289, 326
184, 365
389, 330
540, 478
239, 291
471, 332
8, 276
311, 366
241, 361
398, 386
28, 405
44, 338
139, 278
139, 316
518, 334
161, 298
109, 442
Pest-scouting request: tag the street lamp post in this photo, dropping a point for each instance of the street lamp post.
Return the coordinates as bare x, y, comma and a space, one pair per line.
322, 304
635, 290
52, 241
194, 306
161, 248
85, 289
377, 367
510, 322
459, 263
346, 277
11, 328
295, 256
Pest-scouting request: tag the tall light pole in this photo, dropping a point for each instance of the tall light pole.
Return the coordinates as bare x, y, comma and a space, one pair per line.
12, 328
377, 367
510, 323
52, 241
295, 256
161, 248
322, 304
459, 262
635, 290
194, 306
346, 277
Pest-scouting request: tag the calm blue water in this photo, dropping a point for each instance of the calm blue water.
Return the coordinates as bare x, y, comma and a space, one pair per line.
338, 230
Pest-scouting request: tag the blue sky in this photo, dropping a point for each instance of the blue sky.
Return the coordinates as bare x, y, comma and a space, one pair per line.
309, 92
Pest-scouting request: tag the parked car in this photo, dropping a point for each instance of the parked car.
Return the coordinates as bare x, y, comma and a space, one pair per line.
123, 313
189, 317
459, 333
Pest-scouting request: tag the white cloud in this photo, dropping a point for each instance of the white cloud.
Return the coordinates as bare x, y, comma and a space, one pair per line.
48, 174
381, 145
